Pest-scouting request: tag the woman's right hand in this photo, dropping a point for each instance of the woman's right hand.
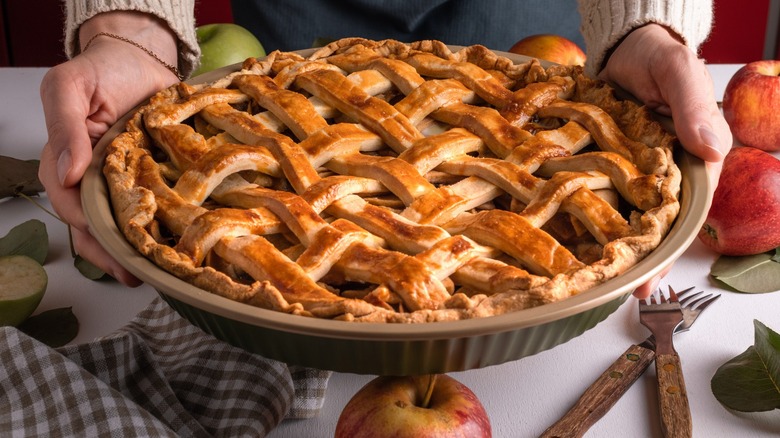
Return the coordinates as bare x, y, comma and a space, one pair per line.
83, 97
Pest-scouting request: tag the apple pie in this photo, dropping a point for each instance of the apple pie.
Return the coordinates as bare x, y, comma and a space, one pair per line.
382, 181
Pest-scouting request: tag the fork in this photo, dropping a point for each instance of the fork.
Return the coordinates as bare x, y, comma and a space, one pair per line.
603, 393
662, 316
692, 306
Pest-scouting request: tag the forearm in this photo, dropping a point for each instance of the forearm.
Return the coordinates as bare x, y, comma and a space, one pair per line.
157, 22
606, 22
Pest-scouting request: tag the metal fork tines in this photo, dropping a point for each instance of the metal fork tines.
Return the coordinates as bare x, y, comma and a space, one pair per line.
692, 306
662, 316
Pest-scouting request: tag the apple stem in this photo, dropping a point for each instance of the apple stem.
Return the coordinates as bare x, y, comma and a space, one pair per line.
429, 392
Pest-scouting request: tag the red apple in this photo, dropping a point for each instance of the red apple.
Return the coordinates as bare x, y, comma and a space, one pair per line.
751, 105
414, 406
744, 218
550, 47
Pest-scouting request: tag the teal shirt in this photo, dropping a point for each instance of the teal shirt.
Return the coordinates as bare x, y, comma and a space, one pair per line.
497, 24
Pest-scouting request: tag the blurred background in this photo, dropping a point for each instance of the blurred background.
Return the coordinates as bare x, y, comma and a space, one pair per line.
31, 34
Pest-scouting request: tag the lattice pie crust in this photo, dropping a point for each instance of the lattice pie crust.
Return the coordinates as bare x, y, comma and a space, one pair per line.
390, 182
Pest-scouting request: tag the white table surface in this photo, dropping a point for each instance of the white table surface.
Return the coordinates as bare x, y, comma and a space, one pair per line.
522, 397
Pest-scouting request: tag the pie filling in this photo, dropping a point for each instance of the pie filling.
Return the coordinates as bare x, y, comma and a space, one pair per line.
381, 181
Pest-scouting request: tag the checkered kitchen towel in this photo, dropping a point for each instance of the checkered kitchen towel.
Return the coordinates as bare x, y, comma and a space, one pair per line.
158, 376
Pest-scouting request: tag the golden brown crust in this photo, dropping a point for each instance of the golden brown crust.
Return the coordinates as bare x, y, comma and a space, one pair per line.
391, 182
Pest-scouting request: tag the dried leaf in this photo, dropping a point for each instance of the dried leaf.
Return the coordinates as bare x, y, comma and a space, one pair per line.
19, 176
749, 382
758, 273
87, 269
54, 328
30, 239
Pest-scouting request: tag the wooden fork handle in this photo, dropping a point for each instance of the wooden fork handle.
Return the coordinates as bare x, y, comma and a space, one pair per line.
603, 393
672, 397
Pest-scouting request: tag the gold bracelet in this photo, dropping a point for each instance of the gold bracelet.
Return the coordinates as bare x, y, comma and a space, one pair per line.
170, 67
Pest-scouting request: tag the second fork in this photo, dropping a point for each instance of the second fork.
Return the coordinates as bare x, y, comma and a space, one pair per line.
662, 317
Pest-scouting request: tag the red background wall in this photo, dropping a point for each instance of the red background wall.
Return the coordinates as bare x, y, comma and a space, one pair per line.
32, 30
739, 32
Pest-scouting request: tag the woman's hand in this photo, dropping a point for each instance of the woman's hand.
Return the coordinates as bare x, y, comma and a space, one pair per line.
654, 66
657, 68
82, 98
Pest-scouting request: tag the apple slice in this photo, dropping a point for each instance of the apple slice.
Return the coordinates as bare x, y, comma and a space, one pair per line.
23, 282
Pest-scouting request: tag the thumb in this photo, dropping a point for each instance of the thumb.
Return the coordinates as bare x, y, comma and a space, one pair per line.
66, 108
698, 122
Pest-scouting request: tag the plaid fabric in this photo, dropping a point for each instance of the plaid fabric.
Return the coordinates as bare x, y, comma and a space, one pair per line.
157, 376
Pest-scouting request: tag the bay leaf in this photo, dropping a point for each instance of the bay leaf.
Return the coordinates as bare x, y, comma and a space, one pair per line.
749, 381
87, 269
29, 238
19, 176
55, 327
758, 273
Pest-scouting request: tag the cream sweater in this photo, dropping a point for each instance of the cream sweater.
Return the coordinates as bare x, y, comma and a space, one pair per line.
177, 13
604, 22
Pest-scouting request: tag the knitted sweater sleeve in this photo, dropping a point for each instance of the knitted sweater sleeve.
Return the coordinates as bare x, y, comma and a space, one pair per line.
179, 14
606, 22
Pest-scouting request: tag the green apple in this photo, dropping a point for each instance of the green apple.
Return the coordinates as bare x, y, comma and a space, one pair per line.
224, 44
23, 282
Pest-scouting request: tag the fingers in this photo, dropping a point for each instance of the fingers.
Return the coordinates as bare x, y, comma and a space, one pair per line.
66, 202
645, 290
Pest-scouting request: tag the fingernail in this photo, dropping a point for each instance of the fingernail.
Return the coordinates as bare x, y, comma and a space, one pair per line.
711, 140
64, 163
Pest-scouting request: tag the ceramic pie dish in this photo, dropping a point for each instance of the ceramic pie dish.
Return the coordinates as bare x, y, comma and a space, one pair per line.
380, 348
